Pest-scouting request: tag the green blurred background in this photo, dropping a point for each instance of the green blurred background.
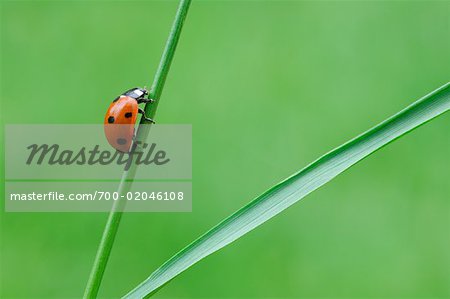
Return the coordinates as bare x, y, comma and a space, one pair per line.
268, 87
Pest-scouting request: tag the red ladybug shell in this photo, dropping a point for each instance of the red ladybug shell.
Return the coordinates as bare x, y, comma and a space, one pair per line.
119, 122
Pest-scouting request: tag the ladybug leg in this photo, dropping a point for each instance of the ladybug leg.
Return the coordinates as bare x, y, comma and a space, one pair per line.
144, 100
145, 117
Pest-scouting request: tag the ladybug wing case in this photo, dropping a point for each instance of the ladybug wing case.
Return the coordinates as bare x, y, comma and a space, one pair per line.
119, 123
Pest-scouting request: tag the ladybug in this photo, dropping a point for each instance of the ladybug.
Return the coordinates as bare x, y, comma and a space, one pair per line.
121, 117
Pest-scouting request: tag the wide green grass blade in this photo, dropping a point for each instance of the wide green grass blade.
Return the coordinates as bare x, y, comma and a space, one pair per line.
296, 187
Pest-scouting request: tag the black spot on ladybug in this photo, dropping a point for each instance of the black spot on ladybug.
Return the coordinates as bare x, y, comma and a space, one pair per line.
116, 99
111, 119
128, 114
121, 141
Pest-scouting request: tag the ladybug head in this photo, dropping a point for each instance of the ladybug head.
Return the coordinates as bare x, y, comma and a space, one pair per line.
136, 93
